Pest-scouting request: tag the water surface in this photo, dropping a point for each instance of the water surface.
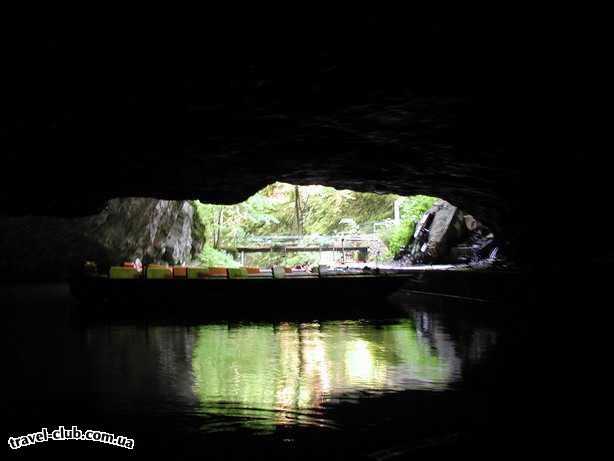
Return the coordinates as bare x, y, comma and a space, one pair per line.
360, 387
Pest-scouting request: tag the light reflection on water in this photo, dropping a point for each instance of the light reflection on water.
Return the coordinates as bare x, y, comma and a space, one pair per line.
281, 373
344, 389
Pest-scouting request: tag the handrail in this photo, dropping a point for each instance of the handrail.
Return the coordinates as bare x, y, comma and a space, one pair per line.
311, 238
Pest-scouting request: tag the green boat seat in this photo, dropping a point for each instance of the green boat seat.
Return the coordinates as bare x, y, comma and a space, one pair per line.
120, 272
237, 272
198, 272
159, 272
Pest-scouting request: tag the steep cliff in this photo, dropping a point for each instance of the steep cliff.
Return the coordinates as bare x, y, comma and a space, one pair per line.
49, 248
152, 230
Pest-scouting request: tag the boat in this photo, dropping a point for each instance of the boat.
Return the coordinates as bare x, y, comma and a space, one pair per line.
213, 292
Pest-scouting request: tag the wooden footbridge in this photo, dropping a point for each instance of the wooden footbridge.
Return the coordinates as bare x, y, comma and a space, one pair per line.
307, 243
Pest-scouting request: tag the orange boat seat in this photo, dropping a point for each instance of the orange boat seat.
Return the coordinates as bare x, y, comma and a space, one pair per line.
218, 271
180, 272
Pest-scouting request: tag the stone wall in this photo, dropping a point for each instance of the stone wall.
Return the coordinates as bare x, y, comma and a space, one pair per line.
51, 248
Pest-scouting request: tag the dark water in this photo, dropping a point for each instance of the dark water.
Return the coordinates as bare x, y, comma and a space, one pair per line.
425, 381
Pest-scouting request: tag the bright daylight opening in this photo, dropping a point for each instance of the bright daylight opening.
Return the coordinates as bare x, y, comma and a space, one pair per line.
304, 227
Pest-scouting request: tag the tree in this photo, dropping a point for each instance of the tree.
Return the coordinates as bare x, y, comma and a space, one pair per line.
297, 211
218, 229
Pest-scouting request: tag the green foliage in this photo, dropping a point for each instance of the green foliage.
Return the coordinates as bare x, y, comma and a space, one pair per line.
273, 259
412, 209
205, 217
320, 210
225, 225
212, 257
272, 211
329, 211
397, 237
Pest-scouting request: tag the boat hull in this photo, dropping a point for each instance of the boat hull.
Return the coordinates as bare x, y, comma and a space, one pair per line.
225, 298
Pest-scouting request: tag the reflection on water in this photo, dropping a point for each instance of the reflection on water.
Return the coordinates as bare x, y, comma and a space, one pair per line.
283, 369
303, 388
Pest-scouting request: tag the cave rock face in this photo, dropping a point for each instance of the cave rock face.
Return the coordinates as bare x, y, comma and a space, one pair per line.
52, 248
441, 226
466, 110
149, 229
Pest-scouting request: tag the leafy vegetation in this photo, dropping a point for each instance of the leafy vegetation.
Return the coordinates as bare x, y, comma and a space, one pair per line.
412, 209
285, 209
212, 257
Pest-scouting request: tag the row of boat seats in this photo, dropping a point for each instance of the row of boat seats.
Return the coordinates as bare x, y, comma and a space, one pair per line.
222, 272
153, 271
157, 271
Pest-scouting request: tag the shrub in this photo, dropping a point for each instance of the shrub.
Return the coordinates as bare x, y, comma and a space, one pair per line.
213, 257
412, 209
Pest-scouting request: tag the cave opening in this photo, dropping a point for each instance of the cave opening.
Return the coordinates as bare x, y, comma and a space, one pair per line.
299, 227
110, 137
314, 225
479, 143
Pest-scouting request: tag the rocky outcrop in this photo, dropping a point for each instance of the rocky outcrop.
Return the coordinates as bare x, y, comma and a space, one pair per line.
50, 248
446, 235
151, 230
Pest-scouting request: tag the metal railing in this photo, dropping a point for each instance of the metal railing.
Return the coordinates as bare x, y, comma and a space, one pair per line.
305, 240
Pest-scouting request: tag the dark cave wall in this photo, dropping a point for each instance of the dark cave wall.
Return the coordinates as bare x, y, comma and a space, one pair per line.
497, 117
52, 248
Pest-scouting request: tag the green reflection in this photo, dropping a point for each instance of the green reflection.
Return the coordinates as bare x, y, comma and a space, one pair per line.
289, 367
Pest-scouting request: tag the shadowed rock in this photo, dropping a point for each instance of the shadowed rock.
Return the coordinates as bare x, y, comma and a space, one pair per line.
488, 115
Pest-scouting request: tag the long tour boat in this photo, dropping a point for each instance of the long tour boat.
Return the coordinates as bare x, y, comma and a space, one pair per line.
179, 290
